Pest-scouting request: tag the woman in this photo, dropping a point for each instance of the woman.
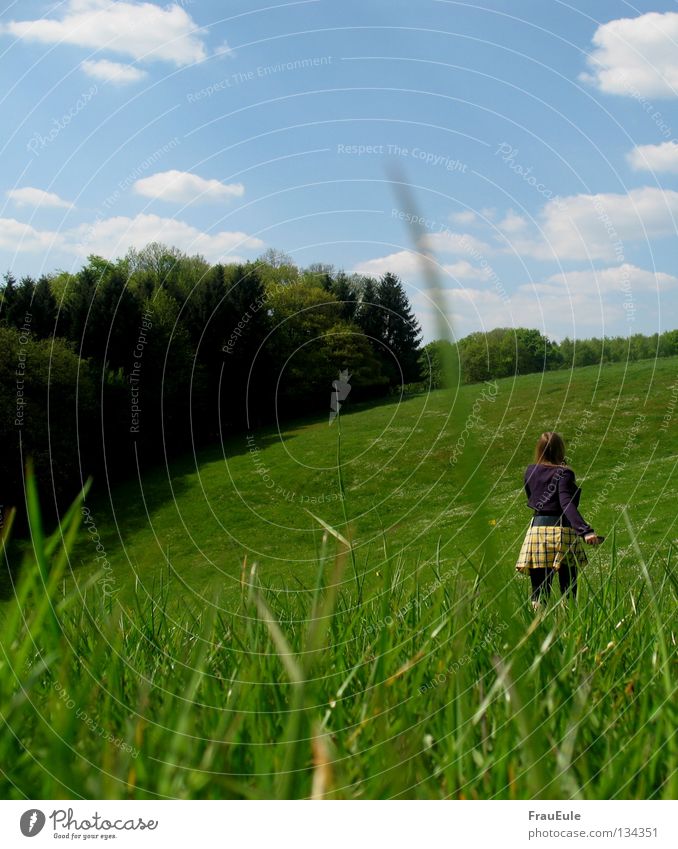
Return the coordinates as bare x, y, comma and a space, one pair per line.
553, 540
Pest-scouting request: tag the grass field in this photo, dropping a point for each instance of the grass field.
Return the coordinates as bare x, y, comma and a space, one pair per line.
252, 495
381, 647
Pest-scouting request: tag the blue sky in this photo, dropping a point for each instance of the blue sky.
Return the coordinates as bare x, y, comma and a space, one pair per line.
541, 143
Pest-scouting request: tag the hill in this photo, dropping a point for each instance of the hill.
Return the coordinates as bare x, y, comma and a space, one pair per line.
251, 496
408, 665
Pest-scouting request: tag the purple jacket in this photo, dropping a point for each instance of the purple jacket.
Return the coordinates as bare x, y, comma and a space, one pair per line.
552, 491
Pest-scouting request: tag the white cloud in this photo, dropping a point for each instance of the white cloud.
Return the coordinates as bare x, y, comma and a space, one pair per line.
184, 187
17, 237
408, 264
636, 57
604, 281
28, 196
601, 227
224, 49
454, 243
140, 30
112, 72
655, 157
113, 236
463, 218
403, 263
581, 303
596, 227
512, 222
463, 270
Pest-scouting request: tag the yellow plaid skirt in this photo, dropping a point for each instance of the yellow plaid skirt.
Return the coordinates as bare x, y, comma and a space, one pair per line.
547, 546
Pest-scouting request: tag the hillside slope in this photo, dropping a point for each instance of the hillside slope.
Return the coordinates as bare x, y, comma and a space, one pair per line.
252, 496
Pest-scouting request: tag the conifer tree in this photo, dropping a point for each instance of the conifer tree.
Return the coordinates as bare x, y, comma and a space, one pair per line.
401, 332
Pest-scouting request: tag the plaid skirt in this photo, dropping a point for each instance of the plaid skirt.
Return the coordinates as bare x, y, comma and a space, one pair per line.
547, 546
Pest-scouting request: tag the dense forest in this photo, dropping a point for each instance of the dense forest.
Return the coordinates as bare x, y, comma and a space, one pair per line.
124, 363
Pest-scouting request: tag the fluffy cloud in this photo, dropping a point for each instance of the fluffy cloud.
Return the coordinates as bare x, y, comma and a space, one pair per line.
111, 237
402, 263
463, 270
595, 227
224, 49
463, 218
28, 196
17, 237
448, 242
655, 157
407, 264
112, 72
604, 281
599, 227
636, 56
512, 222
140, 30
184, 187
580, 303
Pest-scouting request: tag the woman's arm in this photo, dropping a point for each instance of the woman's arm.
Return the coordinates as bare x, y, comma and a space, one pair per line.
567, 490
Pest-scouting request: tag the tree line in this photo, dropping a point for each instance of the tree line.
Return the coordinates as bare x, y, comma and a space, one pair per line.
123, 363
508, 351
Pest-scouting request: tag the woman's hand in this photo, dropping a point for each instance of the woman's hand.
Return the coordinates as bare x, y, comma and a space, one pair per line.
593, 539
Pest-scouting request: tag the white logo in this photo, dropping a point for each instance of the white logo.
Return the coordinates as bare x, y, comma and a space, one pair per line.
340, 390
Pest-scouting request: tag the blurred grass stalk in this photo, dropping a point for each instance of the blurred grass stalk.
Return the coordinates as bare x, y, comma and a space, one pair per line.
402, 697
475, 538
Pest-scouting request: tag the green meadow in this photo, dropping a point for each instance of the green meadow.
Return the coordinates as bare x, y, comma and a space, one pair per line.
331, 611
252, 496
